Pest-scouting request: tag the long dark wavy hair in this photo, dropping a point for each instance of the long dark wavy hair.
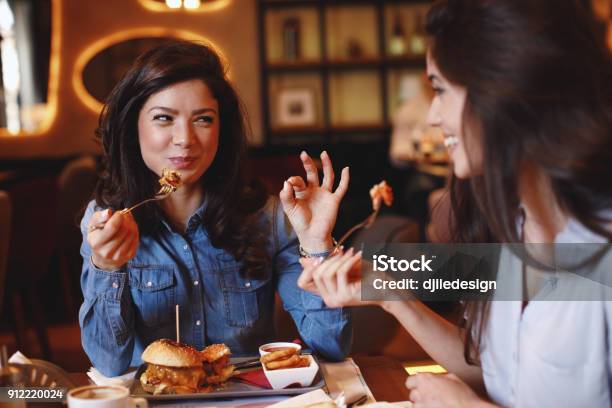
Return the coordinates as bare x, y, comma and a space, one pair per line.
233, 204
538, 81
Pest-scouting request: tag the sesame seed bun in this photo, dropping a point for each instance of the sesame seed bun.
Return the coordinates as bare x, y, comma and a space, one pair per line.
214, 352
169, 353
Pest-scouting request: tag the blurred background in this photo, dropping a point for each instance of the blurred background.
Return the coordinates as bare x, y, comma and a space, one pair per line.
339, 75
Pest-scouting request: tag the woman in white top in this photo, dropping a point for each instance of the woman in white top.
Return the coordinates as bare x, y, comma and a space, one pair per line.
524, 98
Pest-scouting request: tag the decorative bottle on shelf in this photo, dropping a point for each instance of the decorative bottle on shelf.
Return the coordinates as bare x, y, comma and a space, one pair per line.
397, 42
291, 39
417, 40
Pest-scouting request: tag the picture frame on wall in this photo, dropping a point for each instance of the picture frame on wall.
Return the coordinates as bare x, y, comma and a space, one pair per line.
296, 107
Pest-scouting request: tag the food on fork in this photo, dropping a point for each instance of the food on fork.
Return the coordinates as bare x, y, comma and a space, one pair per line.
381, 192
170, 178
177, 368
285, 358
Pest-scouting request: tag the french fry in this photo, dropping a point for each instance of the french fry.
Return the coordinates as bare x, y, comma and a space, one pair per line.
290, 362
295, 361
304, 361
278, 355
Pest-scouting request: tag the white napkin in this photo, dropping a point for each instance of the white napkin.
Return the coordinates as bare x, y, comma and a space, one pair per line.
303, 400
19, 358
99, 379
346, 377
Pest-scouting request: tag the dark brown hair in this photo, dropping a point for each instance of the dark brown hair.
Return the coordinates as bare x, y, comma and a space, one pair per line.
538, 87
233, 206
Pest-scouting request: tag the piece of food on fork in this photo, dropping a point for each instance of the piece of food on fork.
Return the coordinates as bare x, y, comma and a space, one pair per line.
381, 192
170, 178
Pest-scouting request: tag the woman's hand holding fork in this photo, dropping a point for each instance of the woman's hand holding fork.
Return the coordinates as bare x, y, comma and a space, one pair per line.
113, 245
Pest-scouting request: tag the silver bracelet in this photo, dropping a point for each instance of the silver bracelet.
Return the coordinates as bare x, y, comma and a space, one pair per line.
323, 254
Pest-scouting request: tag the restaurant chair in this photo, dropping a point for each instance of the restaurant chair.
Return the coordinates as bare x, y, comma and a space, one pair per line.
376, 332
272, 171
5, 233
32, 240
388, 229
76, 184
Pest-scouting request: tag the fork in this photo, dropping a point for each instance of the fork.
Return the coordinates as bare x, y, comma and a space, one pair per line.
367, 223
163, 192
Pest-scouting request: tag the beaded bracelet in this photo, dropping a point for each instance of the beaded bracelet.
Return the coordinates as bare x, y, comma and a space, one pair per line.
323, 254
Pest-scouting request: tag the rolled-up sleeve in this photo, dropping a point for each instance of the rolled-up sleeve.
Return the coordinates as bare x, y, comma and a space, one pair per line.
106, 316
326, 331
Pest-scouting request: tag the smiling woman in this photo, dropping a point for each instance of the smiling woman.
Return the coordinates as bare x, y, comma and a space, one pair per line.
217, 246
179, 127
524, 98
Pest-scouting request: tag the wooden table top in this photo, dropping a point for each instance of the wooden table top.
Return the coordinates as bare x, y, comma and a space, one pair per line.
385, 377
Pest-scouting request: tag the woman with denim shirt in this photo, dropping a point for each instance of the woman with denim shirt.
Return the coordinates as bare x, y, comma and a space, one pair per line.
218, 246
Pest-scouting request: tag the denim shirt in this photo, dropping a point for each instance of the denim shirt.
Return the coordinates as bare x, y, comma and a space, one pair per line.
125, 310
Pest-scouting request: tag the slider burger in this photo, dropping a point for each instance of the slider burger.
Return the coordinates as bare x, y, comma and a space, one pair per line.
176, 368
216, 363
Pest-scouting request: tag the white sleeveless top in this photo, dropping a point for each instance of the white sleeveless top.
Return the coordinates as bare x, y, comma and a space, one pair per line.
554, 353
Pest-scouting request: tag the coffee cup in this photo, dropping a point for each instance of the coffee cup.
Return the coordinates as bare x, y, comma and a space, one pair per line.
103, 396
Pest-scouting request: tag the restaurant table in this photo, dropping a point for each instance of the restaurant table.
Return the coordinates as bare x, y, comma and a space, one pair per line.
385, 377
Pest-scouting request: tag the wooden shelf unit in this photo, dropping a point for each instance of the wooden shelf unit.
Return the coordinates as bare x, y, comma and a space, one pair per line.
320, 67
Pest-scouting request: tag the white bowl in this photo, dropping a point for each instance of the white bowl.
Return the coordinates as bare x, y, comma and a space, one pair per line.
282, 378
263, 350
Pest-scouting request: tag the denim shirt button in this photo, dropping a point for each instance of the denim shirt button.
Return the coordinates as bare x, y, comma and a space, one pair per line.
149, 284
248, 284
185, 247
196, 283
198, 323
115, 285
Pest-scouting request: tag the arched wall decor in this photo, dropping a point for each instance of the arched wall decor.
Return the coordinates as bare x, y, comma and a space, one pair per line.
54, 76
92, 50
80, 28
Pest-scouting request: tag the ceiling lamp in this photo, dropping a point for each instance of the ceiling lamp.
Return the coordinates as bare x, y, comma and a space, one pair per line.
173, 4
192, 4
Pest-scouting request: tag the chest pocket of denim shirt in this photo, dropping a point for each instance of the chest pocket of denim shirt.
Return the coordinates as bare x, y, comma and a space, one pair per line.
153, 291
242, 296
